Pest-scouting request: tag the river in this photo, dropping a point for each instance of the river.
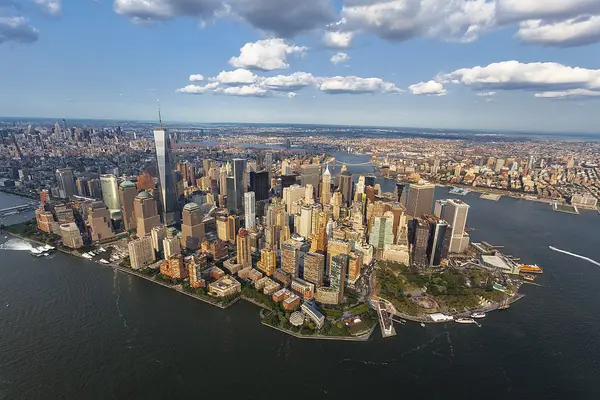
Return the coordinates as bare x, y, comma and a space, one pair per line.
77, 330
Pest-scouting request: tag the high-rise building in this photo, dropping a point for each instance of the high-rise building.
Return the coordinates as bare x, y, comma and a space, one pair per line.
145, 181
355, 261
146, 213
314, 268
171, 245
326, 187
420, 241
291, 195
456, 214
268, 261
310, 174
110, 191
382, 231
369, 180
335, 247
309, 192
82, 187
290, 257
346, 187
250, 210
400, 193
94, 188
439, 241
337, 205
192, 227
166, 176
235, 196
71, 237
244, 255
158, 233
436, 166
499, 164
259, 184
439, 210
420, 199
66, 182
141, 252
337, 274
127, 193
99, 222
305, 227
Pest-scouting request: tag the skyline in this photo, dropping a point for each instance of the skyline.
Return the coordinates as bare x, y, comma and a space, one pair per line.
482, 65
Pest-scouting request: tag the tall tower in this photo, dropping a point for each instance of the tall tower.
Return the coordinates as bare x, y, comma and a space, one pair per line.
346, 187
110, 191
192, 227
249, 210
66, 182
244, 256
456, 215
326, 187
145, 213
127, 194
166, 175
420, 200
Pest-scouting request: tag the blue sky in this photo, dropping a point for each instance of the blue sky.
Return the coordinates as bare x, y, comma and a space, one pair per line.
482, 64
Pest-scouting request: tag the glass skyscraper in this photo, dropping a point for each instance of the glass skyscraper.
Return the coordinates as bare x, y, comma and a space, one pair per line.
166, 176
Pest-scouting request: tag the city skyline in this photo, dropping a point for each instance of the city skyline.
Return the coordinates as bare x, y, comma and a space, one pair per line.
473, 65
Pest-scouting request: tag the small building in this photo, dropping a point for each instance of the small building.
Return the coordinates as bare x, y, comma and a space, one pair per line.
216, 273
328, 295
232, 266
439, 317
271, 287
282, 277
225, 286
500, 263
313, 314
254, 275
303, 288
297, 318
244, 272
281, 295
291, 303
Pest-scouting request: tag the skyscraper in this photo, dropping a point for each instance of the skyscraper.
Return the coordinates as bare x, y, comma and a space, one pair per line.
400, 193
250, 210
309, 192
110, 191
310, 174
290, 257
337, 273
346, 187
235, 196
382, 232
314, 268
420, 241
166, 176
456, 214
268, 261
146, 213
141, 252
305, 228
326, 187
192, 227
420, 199
439, 210
259, 184
244, 256
127, 194
66, 182
99, 222
439, 241
292, 194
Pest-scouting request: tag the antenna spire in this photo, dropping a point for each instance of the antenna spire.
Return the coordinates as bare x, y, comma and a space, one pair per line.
159, 116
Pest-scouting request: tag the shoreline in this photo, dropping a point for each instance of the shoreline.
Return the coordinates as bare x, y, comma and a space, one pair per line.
362, 338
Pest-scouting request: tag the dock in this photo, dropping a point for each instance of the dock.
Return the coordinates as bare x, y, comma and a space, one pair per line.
490, 196
385, 320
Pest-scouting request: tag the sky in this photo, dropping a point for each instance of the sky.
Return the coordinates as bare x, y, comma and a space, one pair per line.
526, 65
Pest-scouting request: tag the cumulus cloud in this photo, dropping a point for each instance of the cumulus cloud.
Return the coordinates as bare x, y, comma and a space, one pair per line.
428, 88
285, 18
288, 83
265, 55
338, 58
196, 78
552, 80
196, 89
338, 39
52, 7
237, 77
17, 29
355, 85
521, 10
572, 32
243, 91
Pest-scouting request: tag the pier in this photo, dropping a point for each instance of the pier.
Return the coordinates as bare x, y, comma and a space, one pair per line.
385, 320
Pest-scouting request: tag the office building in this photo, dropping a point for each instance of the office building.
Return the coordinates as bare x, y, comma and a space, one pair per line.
235, 187
382, 231
127, 194
158, 233
99, 222
337, 273
305, 227
192, 227
346, 187
145, 181
336, 202
249, 210
355, 261
141, 252
290, 257
82, 187
420, 199
110, 192
166, 176
244, 254
66, 182
436, 166
291, 195
310, 174
195, 266
398, 253
420, 242
146, 213
401, 192
314, 268
259, 184
439, 210
309, 192
268, 261
70, 235
499, 164
94, 188
456, 213
439, 240
326, 187
171, 244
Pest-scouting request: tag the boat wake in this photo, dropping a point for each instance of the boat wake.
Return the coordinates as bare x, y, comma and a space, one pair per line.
16, 244
575, 255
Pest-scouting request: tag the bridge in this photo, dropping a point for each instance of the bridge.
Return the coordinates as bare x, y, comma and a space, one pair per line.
349, 164
21, 207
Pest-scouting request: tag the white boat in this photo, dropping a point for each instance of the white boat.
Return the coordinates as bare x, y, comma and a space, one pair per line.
35, 251
478, 315
101, 249
103, 261
86, 255
422, 325
47, 247
465, 321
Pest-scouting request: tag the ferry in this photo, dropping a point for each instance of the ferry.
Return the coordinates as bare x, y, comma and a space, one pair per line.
465, 321
478, 315
531, 269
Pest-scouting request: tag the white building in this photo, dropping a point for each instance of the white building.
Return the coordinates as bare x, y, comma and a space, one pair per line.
250, 210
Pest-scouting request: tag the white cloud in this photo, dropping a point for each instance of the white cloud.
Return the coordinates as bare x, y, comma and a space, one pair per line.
399, 20
338, 39
485, 94
428, 88
17, 29
52, 7
338, 58
236, 77
355, 85
521, 10
569, 94
160, 10
196, 78
243, 91
572, 32
195, 89
266, 55
288, 83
